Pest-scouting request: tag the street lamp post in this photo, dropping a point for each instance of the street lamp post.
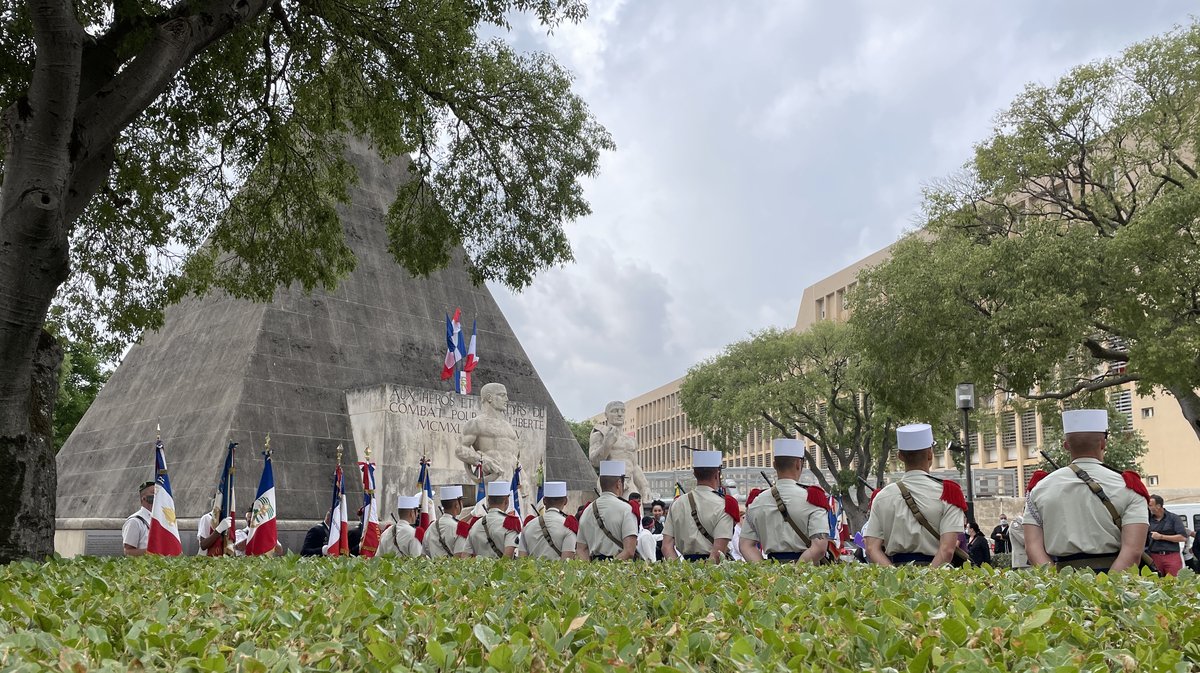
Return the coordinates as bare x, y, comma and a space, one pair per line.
964, 393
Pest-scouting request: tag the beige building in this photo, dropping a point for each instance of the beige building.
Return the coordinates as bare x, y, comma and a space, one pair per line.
1171, 465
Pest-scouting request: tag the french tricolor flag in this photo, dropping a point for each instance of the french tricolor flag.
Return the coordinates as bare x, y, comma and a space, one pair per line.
472, 358
263, 532
338, 543
453, 341
164, 533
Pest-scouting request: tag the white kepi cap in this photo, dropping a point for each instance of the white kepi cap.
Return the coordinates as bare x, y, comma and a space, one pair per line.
612, 468
788, 448
408, 502
706, 459
914, 437
1085, 420
554, 489
450, 491
496, 489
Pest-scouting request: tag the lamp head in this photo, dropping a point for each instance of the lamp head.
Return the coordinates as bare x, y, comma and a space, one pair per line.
964, 394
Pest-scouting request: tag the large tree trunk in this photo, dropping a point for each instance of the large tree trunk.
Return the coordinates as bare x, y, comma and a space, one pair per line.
1189, 403
27, 470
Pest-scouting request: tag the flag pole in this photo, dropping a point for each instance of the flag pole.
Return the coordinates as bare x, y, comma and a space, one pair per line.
229, 537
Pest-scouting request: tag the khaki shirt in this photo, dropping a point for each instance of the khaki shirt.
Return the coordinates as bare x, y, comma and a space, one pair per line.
400, 539
477, 539
765, 525
894, 523
1072, 518
1016, 536
533, 538
135, 532
447, 527
710, 506
618, 520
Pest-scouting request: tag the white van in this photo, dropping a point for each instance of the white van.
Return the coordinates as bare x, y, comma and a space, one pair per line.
1189, 512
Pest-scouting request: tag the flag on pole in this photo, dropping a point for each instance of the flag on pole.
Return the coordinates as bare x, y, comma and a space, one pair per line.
453, 338
263, 533
472, 358
164, 533
541, 489
462, 384
515, 488
480, 487
425, 487
228, 503
338, 543
371, 533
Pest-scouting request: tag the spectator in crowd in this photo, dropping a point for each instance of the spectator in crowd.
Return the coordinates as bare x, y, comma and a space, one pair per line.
1195, 551
658, 510
646, 544
1000, 538
1189, 554
1166, 533
316, 537
1016, 539
977, 546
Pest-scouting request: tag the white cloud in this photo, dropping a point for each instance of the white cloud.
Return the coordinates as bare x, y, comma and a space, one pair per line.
761, 147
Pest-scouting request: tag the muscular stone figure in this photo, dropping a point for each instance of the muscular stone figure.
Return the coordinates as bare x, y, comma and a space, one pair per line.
609, 442
489, 438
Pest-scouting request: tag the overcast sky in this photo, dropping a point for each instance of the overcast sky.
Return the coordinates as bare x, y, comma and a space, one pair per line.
762, 146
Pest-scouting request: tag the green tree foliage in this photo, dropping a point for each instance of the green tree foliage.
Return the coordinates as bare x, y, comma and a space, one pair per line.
582, 431
812, 385
151, 150
1065, 258
83, 373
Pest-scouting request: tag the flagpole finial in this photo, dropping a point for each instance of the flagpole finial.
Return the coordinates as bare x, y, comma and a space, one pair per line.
267, 445
339, 454
158, 431
367, 453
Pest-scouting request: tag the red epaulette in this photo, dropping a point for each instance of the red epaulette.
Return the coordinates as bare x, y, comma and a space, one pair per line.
572, 524
420, 534
952, 494
732, 508
512, 522
384, 529
1038, 475
754, 493
464, 526
1133, 482
818, 497
586, 505
871, 501
528, 519
637, 510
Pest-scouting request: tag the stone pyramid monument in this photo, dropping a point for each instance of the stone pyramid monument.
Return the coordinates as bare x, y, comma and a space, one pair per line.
223, 369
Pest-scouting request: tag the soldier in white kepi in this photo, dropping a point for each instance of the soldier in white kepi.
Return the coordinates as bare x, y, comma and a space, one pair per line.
787, 522
493, 535
442, 540
700, 524
551, 534
918, 519
1086, 515
607, 528
402, 539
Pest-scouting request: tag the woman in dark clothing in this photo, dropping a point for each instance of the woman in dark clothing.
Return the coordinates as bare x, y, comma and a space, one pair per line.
977, 546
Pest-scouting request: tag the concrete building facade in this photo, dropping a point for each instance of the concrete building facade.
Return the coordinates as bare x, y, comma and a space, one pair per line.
1003, 457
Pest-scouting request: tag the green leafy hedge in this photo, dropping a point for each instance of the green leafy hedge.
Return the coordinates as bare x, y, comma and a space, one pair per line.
324, 614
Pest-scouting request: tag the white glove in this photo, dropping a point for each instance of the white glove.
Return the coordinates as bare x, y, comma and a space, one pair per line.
225, 524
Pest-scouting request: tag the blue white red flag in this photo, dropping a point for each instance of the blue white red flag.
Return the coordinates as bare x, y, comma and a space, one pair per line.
338, 542
480, 486
371, 533
451, 360
228, 502
515, 487
425, 488
472, 357
263, 531
164, 533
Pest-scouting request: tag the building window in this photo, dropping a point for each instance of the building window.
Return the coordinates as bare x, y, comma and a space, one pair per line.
1152, 480
1122, 401
989, 445
1029, 431
1147, 412
1009, 435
